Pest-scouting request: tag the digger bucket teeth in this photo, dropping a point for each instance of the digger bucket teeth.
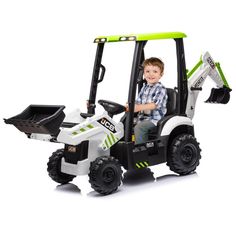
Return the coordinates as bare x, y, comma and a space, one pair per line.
219, 95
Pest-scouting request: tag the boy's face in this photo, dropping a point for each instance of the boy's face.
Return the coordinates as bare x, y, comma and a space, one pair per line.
152, 74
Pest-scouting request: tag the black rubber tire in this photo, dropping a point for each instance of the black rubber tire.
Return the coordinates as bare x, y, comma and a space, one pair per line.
105, 175
54, 168
184, 154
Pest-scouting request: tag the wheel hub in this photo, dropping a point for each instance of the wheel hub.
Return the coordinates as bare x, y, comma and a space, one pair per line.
188, 153
108, 175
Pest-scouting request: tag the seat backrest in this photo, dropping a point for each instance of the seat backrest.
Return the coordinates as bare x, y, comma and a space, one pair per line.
171, 101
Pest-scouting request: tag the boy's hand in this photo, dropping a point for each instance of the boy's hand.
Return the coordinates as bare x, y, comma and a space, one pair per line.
138, 107
127, 107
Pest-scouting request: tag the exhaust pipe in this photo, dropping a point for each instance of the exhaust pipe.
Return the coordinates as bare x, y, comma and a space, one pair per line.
219, 95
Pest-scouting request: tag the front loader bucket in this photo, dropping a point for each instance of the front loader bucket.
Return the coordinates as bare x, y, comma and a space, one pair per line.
41, 119
219, 95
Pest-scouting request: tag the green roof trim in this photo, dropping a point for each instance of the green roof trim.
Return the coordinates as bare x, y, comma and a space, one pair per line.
139, 37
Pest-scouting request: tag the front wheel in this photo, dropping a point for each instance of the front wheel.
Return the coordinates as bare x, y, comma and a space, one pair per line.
54, 168
105, 175
184, 154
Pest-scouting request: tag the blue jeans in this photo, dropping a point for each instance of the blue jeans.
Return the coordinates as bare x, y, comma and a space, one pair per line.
141, 131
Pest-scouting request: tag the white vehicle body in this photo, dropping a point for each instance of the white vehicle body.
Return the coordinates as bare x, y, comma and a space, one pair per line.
103, 132
174, 122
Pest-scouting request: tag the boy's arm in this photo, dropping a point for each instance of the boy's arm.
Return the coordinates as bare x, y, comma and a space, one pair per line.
158, 100
143, 107
138, 100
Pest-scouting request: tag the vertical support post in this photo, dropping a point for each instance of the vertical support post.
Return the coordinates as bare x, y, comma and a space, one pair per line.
95, 77
138, 53
182, 78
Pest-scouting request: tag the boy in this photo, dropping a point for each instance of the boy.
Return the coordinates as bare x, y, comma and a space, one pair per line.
151, 101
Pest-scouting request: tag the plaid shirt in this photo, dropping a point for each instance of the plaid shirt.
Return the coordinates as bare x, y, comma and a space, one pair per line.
157, 94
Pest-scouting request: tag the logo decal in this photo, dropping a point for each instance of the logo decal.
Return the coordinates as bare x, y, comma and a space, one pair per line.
198, 83
211, 63
107, 124
71, 149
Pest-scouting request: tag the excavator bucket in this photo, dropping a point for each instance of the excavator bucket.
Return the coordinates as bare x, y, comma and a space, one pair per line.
41, 119
219, 95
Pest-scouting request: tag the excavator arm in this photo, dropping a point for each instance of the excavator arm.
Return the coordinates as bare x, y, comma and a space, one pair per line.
196, 78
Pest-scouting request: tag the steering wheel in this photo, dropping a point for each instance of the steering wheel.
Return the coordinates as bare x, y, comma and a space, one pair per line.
111, 107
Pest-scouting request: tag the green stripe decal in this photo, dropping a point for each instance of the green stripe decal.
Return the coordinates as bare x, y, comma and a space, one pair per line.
113, 138
106, 143
109, 140
83, 129
137, 165
141, 164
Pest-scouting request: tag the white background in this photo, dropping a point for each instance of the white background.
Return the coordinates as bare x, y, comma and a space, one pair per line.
46, 57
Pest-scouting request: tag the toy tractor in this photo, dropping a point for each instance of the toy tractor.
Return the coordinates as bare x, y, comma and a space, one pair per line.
96, 145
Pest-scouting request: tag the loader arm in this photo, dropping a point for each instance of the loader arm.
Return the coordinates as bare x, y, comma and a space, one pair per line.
196, 78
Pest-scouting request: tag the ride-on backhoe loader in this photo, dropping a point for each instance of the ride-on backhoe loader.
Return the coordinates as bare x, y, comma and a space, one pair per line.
96, 145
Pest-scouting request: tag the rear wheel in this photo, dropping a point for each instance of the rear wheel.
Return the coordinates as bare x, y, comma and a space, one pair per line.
54, 168
184, 154
105, 175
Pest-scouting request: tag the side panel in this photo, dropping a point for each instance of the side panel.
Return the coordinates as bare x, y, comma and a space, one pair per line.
174, 122
138, 156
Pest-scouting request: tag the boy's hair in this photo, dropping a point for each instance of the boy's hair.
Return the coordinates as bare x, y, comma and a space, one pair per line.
154, 61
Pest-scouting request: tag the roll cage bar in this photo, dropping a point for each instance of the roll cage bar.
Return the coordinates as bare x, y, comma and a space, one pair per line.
138, 58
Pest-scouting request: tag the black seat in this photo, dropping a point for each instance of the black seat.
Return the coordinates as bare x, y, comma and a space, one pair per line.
171, 101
